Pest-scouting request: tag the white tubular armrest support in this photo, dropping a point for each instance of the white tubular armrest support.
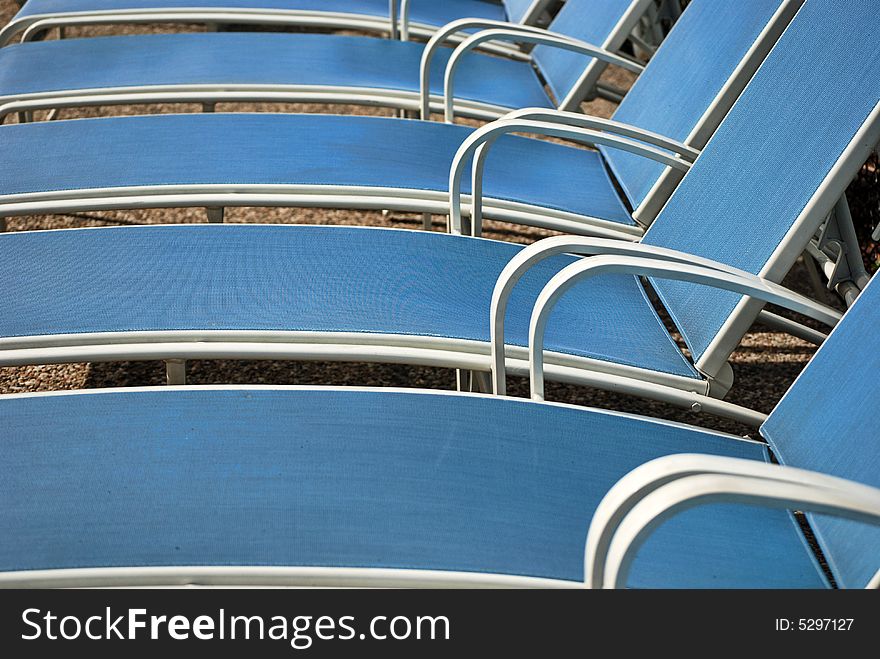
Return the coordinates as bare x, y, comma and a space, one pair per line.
404, 20
477, 144
583, 246
524, 36
649, 477
743, 283
737, 481
392, 16
443, 35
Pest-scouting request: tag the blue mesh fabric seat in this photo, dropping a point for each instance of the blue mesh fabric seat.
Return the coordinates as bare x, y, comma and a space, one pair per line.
342, 66
328, 478
337, 153
425, 15
310, 279
357, 480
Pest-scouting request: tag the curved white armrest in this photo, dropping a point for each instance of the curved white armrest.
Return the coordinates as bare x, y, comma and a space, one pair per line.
649, 477
576, 119
579, 245
520, 36
587, 246
477, 144
743, 283
665, 487
441, 36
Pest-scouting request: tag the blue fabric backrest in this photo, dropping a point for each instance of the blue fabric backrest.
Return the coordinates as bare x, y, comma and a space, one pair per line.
592, 21
770, 155
683, 78
828, 422
516, 9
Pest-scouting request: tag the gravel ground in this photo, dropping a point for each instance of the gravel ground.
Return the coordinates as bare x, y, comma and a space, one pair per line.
764, 365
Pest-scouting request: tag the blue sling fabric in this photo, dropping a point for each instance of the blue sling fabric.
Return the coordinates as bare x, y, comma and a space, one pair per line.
293, 149
685, 75
827, 422
309, 278
422, 11
357, 479
770, 155
257, 59
588, 20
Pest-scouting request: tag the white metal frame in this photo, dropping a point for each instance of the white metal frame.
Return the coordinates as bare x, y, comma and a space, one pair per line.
319, 196
209, 95
27, 26
653, 493
179, 346
837, 252
269, 577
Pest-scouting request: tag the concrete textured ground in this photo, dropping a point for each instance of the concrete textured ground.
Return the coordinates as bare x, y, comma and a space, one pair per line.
764, 365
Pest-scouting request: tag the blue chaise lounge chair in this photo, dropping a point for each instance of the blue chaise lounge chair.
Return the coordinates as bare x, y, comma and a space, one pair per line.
276, 486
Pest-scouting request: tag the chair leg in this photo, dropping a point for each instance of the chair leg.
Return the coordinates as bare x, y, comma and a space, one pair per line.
215, 214
427, 221
175, 371
473, 381
481, 382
